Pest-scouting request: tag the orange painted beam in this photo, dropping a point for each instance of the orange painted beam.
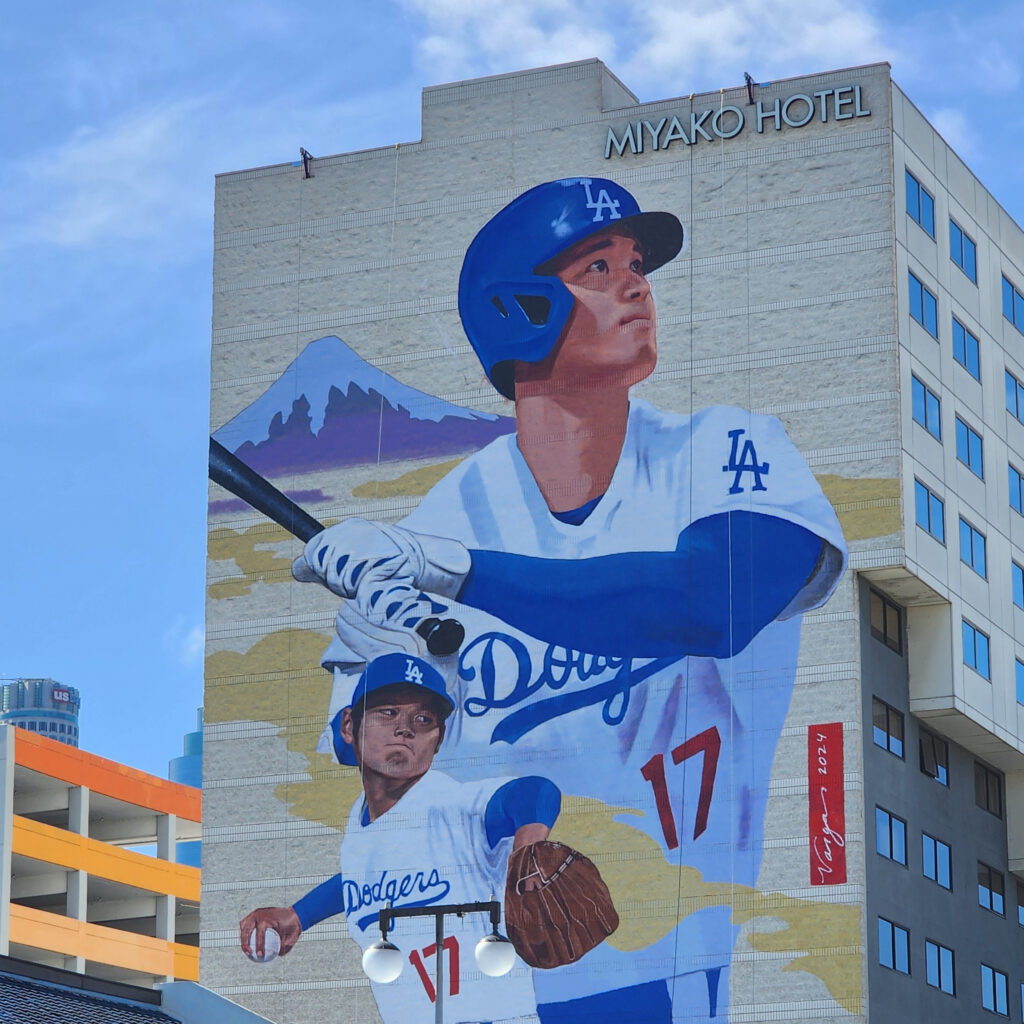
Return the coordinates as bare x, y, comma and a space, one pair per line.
55, 933
70, 850
80, 768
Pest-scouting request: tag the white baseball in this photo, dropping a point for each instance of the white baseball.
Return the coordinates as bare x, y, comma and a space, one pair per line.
271, 946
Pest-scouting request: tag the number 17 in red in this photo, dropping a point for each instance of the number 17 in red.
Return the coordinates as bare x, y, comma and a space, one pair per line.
708, 743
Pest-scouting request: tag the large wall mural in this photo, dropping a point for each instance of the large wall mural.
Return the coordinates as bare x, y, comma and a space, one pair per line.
631, 584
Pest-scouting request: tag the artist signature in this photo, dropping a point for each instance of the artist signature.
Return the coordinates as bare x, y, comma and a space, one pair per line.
825, 841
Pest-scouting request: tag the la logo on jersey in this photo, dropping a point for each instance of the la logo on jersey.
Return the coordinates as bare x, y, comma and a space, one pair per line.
602, 203
744, 461
413, 673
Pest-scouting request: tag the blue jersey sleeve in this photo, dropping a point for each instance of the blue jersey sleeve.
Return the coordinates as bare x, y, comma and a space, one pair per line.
730, 575
521, 802
326, 900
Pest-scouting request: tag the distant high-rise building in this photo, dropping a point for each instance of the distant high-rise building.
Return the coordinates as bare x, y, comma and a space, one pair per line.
188, 770
41, 705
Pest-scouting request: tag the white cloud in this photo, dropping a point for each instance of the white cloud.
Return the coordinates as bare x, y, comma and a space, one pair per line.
185, 642
955, 127
114, 182
464, 38
664, 47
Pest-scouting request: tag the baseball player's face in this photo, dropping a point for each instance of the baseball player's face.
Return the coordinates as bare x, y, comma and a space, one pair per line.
611, 335
398, 735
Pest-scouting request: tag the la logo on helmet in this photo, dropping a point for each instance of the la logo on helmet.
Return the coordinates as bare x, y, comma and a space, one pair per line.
602, 203
413, 673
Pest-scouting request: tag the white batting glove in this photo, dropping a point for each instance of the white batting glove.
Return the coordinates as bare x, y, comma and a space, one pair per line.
342, 554
383, 615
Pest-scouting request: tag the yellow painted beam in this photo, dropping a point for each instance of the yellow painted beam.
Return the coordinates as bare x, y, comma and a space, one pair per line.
67, 849
55, 933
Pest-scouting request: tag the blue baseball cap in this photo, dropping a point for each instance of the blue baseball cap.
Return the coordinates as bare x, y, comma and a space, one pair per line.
390, 670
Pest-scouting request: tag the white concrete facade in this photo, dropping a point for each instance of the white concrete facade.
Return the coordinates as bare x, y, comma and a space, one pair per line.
791, 298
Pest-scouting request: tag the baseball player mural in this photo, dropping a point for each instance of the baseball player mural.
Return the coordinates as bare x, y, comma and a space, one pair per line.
631, 583
417, 838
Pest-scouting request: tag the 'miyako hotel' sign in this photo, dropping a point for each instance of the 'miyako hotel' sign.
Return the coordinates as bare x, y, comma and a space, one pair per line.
728, 121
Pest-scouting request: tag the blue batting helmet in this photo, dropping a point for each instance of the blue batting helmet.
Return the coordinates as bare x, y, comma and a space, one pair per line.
511, 308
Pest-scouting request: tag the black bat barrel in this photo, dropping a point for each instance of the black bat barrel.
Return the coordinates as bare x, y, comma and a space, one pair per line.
443, 636
234, 475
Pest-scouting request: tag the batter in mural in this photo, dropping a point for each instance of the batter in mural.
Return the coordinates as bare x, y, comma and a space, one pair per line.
631, 582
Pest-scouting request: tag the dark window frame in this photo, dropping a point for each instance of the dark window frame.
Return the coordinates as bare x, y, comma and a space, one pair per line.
972, 452
924, 304
977, 655
886, 619
991, 889
1014, 395
1013, 304
968, 343
1016, 485
934, 756
960, 245
895, 932
988, 789
995, 993
933, 520
941, 981
941, 856
930, 403
890, 836
976, 541
889, 716
921, 213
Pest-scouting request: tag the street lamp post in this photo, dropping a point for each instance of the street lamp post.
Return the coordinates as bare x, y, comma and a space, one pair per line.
495, 955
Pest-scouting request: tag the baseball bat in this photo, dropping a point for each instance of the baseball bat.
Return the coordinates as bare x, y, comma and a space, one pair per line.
442, 636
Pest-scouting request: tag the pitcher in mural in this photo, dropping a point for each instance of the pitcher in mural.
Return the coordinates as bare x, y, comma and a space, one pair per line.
631, 582
417, 838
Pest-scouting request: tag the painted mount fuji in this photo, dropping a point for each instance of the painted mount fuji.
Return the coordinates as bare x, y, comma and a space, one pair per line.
330, 408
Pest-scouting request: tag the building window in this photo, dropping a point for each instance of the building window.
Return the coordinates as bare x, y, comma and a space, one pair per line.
972, 548
994, 990
890, 836
1013, 305
962, 250
936, 861
975, 649
926, 407
929, 512
1019, 668
893, 946
1016, 490
966, 349
886, 727
923, 306
990, 889
886, 621
988, 789
1014, 396
920, 204
968, 448
939, 967
934, 757
1017, 573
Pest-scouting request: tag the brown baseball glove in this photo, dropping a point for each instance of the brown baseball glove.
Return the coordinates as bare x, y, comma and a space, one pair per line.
557, 906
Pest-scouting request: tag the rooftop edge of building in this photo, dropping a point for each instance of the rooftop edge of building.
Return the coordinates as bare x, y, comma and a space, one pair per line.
435, 97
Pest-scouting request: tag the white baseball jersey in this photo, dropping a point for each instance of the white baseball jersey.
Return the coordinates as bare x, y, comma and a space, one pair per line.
687, 742
432, 848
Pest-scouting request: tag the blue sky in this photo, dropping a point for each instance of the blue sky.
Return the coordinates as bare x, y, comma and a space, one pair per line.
115, 119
